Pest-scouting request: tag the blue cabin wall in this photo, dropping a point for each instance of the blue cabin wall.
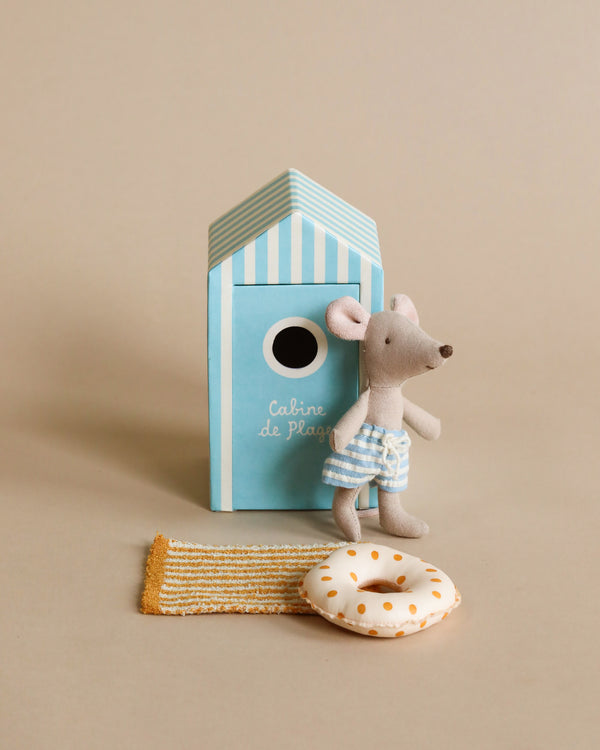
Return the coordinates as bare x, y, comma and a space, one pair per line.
295, 251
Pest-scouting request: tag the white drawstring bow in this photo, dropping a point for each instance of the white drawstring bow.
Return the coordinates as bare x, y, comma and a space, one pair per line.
394, 449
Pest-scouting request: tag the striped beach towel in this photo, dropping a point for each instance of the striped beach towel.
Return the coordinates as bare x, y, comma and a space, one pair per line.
184, 578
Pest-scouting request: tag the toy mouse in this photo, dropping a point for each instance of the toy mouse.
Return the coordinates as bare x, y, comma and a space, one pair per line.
369, 443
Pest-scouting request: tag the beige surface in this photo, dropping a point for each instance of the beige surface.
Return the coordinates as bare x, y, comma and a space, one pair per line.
469, 131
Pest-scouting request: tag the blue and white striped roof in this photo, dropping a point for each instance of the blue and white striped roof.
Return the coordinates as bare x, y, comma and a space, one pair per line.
289, 193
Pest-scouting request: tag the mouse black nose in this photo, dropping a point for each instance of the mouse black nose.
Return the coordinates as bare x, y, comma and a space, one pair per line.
446, 351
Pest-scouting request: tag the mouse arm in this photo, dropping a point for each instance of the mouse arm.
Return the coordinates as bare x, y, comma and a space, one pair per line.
422, 422
350, 423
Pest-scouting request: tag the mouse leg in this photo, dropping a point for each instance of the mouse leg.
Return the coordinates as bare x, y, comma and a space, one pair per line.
344, 512
395, 520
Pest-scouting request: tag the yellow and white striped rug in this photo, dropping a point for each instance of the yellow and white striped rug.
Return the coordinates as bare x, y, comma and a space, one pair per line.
185, 579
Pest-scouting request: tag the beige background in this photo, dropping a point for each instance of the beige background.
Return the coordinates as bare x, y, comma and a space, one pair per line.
469, 131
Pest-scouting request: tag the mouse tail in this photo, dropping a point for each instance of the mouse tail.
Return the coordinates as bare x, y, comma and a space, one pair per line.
367, 512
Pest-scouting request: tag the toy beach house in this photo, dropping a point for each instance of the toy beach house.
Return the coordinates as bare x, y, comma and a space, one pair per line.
278, 380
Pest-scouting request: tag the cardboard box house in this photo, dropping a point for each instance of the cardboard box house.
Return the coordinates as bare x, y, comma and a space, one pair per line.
278, 380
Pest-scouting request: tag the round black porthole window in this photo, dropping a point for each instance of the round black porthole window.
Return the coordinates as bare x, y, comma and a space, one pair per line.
295, 347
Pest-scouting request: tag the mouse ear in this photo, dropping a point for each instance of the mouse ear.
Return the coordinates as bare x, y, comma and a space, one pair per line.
403, 304
347, 319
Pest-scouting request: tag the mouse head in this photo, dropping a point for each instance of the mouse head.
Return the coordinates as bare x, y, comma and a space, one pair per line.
395, 347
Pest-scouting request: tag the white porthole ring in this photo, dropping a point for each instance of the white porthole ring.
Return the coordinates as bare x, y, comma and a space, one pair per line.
295, 372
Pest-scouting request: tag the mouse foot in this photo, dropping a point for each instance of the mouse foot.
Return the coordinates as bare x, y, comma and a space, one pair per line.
396, 521
344, 513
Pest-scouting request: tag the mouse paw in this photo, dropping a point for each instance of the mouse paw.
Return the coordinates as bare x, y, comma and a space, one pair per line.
403, 524
344, 513
395, 520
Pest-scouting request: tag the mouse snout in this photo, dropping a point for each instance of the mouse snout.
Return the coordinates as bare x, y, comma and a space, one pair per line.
446, 351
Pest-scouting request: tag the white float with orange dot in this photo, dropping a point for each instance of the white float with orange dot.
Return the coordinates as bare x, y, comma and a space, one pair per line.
378, 591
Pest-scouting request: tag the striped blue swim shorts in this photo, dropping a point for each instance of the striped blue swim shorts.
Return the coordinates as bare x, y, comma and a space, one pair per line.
374, 455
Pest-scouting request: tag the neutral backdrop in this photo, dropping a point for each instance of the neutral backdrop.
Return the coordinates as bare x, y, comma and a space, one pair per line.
469, 132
